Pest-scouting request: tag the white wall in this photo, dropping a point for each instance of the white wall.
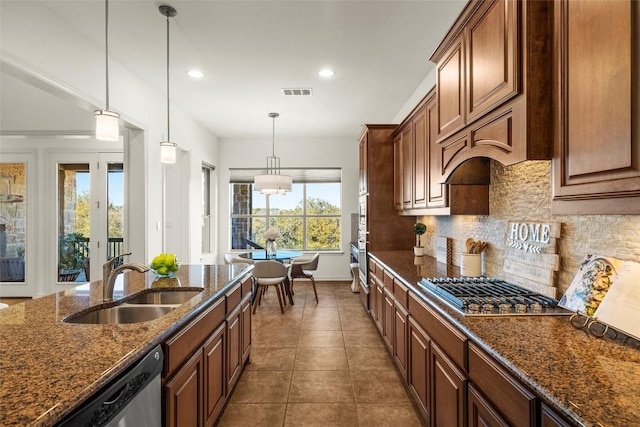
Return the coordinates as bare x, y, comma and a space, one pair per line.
294, 153
427, 84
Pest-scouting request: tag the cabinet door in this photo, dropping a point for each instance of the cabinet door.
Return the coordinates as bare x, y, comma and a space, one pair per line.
214, 375
492, 57
436, 190
450, 89
448, 390
481, 414
549, 418
596, 166
246, 329
418, 366
380, 307
388, 330
420, 159
400, 338
183, 395
234, 347
397, 172
406, 142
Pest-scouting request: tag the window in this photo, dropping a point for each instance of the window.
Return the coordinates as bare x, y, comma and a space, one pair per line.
308, 217
207, 171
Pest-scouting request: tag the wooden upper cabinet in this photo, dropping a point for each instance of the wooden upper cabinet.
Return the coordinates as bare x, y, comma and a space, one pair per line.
450, 89
596, 167
494, 85
397, 172
491, 57
420, 159
406, 143
364, 162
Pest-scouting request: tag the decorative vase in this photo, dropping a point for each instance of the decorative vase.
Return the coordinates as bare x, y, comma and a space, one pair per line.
418, 250
271, 249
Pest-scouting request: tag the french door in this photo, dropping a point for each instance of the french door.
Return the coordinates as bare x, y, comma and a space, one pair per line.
89, 215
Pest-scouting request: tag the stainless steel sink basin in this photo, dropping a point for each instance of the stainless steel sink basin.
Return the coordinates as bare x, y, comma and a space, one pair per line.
164, 297
120, 314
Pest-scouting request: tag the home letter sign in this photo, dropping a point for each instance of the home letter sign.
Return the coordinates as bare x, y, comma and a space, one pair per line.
533, 237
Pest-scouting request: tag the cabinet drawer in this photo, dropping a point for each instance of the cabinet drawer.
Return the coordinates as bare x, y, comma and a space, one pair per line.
246, 286
388, 280
180, 346
516, 403
233, 297
401, 292
449, 339
373, 267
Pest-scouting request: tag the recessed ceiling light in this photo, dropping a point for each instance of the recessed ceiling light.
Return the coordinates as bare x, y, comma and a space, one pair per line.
326, 72
196, 74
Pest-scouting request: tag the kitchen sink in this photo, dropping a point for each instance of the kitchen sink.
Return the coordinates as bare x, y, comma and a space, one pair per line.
141, 307
164, 297
120, 314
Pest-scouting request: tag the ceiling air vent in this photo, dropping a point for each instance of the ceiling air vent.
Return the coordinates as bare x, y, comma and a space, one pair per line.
297, 91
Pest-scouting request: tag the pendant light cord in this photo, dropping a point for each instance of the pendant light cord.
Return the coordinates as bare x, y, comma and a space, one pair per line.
273, 138
106, 43
168, 113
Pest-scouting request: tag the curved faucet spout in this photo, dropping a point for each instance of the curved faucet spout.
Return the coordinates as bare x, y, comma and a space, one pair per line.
109, 282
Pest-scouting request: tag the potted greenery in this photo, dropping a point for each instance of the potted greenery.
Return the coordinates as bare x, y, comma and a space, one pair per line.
419, 229
71, 260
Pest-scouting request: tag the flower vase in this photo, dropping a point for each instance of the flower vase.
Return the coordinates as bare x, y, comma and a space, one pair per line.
271, 249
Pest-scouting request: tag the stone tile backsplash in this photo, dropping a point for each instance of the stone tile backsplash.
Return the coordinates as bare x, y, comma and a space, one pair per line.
522, 192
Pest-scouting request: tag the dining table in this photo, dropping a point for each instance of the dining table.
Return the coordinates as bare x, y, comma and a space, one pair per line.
280, 256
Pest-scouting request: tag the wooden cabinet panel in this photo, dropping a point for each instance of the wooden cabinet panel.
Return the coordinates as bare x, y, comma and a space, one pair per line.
596, 167
436, 189
481, 413
234, 347
388, 330
233, 297
452, 341
492, 55
400, 338
397, 172
450, 89
406, 142
420, 159
517, 404
214, 386
363, 148
418, 376
448, 390
549, 418
183, 406
246, 329
180, 346
401, 293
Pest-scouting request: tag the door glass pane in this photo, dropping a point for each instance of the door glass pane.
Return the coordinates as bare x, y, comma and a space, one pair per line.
115, 214
13, 219
73, 222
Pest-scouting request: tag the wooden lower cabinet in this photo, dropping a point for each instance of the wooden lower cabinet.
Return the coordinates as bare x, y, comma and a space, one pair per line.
387, 318
214, 375
204, 360
182, 395
400, 338
481, 413
549, 418
418, 366
449, 391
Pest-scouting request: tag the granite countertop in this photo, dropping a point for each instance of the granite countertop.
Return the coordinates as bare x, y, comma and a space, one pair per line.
592, 381
48, 367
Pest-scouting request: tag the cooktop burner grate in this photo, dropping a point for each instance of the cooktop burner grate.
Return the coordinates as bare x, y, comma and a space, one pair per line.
490, 296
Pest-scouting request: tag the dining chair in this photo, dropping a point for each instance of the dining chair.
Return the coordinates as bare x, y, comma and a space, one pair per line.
232, 258
269, 273
303, 268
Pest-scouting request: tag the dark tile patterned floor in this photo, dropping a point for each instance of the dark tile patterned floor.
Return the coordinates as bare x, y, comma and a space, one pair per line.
318, 365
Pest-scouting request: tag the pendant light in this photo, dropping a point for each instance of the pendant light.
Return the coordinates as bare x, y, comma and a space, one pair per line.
106, 120
168, 148
273, 182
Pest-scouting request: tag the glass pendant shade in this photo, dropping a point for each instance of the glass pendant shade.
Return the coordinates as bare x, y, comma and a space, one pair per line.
167, 152
107, 125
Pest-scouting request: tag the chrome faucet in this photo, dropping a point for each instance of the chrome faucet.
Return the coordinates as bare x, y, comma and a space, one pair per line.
109, 274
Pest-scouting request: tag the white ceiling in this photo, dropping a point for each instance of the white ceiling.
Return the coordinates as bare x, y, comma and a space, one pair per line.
249, 51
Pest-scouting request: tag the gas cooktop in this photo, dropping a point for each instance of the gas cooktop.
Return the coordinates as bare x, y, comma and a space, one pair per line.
488, 296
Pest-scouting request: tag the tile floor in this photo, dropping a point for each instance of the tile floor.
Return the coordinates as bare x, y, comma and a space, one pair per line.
318, 364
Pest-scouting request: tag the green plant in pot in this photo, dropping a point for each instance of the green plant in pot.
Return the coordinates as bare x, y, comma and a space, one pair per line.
71, 257
419, 229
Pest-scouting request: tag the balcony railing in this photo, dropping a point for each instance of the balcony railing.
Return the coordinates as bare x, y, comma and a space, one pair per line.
115, 246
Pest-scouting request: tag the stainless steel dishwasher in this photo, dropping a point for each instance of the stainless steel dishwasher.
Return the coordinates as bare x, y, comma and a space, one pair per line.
131, 400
